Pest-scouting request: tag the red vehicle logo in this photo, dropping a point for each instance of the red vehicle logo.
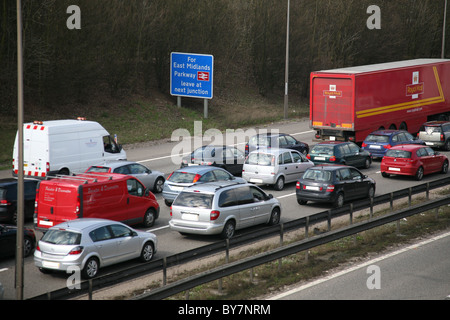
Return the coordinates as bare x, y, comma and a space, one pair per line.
202, 76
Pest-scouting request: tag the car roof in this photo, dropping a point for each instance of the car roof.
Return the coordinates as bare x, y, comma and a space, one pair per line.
407, 147
198, 169
13, 181
82, 224
435, 123
114, 163
271, 134
332, 142
329, 167
387, 132
274, 151
211, 187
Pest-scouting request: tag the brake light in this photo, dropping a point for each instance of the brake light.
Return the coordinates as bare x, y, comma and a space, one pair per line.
297, 186
330, 188
332, 158
76, 250
317, 136
364, 145
169, 176
37, 247
77, 207
4, 202
214, 215
308, 156
387, 146
196, 178
442, 137
170, 212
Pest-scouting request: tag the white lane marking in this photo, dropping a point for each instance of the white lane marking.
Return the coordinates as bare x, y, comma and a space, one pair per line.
365, 264
4, 269
186, 153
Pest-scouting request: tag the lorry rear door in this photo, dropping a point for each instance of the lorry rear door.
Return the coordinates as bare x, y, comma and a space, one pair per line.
332, 102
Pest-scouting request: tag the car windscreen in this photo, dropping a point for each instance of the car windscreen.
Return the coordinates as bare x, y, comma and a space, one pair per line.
322, 149
260, 159
317, 175
377, 138
398, 154
182, 177
194, 200
62, 237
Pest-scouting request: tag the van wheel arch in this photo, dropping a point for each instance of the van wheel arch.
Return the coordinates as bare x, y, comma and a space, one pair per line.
149, 218
64, 171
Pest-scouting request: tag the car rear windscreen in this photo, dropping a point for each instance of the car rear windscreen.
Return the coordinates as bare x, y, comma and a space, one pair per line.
398, 154
322, 149
317, 175
261, 159
194, 200
62, 237
377, 138
182, 177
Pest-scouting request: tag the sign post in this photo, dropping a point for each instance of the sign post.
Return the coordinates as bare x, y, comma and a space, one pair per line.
191, 75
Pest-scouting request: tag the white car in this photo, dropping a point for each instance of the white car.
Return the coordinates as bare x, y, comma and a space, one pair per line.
90, 244
275, 167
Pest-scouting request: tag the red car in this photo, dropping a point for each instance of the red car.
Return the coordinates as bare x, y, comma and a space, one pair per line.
413, 160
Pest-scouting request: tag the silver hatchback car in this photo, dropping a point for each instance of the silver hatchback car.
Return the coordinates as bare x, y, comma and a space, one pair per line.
222, 207
89, 244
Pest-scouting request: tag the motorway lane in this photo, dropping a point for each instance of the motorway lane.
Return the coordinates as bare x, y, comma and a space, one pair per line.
416, 272
157, 156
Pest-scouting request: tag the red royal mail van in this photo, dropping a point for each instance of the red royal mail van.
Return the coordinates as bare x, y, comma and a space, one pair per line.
101, 195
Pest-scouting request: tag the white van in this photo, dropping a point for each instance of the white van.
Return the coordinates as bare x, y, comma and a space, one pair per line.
64, 147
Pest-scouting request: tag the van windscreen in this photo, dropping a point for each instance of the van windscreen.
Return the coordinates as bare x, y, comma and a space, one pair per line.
194, 200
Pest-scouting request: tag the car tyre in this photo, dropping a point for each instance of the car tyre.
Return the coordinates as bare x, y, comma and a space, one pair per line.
339, 202
279, 184
419, 174
444, 167
28, 246
385, 175
147, 252
302, 202
274, 217
149, 218
159, 185
447, 145
371, 192
228, 230
367, 163
90, 269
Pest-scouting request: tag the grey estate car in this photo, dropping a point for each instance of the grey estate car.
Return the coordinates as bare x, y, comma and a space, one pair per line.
436, 134
222, 207
89, 244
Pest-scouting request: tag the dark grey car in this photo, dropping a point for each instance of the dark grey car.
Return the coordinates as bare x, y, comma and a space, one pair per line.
436, 134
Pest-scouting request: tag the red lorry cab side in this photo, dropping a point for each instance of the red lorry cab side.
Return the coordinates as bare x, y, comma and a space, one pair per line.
101, 195
350, 103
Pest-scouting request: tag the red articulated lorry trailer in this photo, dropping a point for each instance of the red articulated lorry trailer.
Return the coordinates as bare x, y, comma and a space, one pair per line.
349, 103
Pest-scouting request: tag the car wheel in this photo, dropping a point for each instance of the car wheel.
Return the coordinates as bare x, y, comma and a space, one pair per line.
168, 203
149, 218
159, 185
386, 175
302, 202
274, 217
90, 270
371, 192
419, 174
367, 163
279, 185
228, 230
339, 202
147, 252
28, 246
444, 167
447, 145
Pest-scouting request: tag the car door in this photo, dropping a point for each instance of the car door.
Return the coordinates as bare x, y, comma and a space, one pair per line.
425, 159
263, 209
105, 244
354, 156
347, 183
142, 173
287, 167
435, 162
128, 246
301, 164
360, 187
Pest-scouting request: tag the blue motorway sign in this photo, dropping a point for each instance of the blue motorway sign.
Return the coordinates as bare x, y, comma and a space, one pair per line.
191, 75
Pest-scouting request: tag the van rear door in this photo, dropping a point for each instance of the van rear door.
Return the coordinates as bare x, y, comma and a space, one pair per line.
57, 202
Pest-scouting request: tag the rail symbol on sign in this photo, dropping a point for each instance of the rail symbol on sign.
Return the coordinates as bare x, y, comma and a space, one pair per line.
203, 76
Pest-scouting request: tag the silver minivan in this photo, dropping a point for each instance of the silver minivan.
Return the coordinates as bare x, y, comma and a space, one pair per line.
221, 208
275, 167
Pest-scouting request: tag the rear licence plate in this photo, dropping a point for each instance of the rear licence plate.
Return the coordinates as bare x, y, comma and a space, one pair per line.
312, 188
319, 158
189, 216
375, 147
394, 169
256, 180
50, 264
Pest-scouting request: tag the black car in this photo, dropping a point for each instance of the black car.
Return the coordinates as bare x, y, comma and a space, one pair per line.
8, 239
340, 152
226, 157
8, 199
275, 140
335, 184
